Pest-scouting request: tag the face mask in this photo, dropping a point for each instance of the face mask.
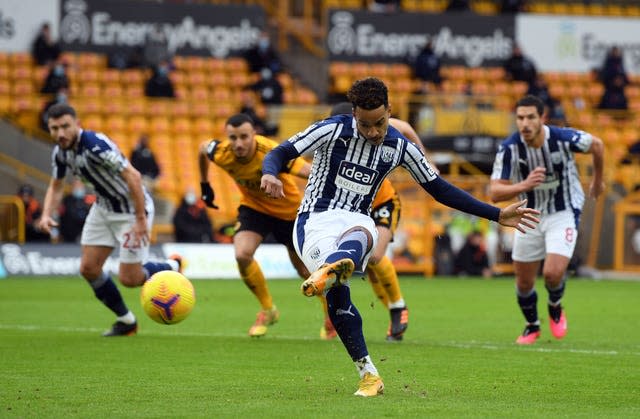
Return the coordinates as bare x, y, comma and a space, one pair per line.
58, 71
163, 71
263, 43
78, 193
265, 73
61, 97
190, 198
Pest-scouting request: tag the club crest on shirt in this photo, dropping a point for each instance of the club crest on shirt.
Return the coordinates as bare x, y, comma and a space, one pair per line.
387, 153
556, 157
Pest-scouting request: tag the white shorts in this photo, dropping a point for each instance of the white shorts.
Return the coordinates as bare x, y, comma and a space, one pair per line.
555, 234
317, 237
111, 229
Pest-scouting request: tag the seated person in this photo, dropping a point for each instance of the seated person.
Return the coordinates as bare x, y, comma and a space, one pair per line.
191, 222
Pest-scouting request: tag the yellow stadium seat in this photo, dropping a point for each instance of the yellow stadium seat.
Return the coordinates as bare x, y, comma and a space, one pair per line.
159, 107
197, 78
199, 93
159, 124
17, 58
138, 124
181, 126
213, 65
89, 75
87, 60
178, 78
5, 87
22, 72
90, 90
110, 76
359, 70
236, 65
134, 91
133, 76
200, 109
115, 123
180, 108
89, 105
92, 122
338, 68
22, 88
203, 126
113, 91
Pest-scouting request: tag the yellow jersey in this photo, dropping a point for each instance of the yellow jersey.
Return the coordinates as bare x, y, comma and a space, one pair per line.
248, 174
385, 193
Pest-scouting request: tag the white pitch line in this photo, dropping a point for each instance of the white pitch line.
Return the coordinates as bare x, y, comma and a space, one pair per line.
458, 345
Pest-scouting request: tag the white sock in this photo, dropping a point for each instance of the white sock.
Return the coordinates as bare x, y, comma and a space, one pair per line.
365, 365
398, 304
128, 318
175, 266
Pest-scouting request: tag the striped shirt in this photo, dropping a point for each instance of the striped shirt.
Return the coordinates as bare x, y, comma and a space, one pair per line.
347, 170
561, 189
98, 162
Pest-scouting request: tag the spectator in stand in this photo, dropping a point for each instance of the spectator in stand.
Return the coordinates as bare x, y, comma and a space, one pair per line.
44, 49
614, 97
73, 211
56, 78
269, 88
156, 48
427, 67
32, 212
472, 259
520, 68
512, 6
458, 6
191, 222
612, 67
159, 84
540, 89
263, 55
143, 160
61, 96
262, 127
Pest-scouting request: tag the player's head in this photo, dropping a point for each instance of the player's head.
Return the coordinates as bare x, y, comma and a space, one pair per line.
342, 108
529, 112
370, 101
63, 125
240, 131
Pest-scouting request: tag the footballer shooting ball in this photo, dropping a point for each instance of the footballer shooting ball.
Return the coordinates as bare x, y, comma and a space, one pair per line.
168, 297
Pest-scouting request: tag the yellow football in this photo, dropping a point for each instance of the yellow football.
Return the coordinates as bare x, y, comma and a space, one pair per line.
168, 297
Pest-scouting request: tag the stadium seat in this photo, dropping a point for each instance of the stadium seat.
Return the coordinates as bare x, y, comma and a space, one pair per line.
93, 122
181, 126
22, 88
115, 123
90, 90
110, 76
213, 65
138, 124
159, 107
87, 60
236, 65
113, 91
134, 91
22, 71
133, 76
159, 124
89, 75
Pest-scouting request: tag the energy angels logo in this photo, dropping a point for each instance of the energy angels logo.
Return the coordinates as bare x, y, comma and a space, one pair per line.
342, 37
75, 26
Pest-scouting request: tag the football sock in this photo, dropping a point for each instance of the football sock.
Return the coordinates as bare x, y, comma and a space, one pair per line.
365, 365
528, 303
323, 301
128, 318
351, 246
255, 281
106, 291
388, 277
151, 268
377, 287
347, 321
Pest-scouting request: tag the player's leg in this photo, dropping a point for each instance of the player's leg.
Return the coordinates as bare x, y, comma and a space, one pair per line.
98, 242
334, 247
528, 252
560, 243
135, 268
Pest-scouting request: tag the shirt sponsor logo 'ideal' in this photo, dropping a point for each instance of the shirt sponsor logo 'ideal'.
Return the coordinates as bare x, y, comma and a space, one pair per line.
355, 178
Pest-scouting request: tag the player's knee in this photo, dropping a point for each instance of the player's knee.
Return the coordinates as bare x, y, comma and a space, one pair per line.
553, 276
244, 259
129, 281
90, 272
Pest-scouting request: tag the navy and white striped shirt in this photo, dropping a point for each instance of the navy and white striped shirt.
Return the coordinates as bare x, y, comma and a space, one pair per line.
561, 189
347, 170
97, 161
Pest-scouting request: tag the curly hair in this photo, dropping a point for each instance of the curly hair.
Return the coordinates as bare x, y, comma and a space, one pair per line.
368, 94
531, 100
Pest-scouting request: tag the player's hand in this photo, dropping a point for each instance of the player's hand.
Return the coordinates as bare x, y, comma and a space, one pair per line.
140, 232
207, 194
272, 186
46, 223
536, 177
518, 216
596, 188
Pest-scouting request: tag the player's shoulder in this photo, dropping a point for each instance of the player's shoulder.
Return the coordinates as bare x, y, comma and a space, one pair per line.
264, 143
564, 133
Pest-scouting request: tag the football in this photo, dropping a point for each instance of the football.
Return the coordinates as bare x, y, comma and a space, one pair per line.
168, 297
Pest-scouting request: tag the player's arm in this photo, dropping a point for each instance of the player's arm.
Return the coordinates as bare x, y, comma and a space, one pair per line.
52, 200
134, 182
597, 152
204, 156
504, 190
273, 161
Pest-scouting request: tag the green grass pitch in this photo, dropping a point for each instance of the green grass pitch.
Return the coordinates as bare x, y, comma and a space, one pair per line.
458, 358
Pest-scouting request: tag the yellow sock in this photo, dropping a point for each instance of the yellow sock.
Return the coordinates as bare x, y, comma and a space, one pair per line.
255, 281
378, 289
386, 274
